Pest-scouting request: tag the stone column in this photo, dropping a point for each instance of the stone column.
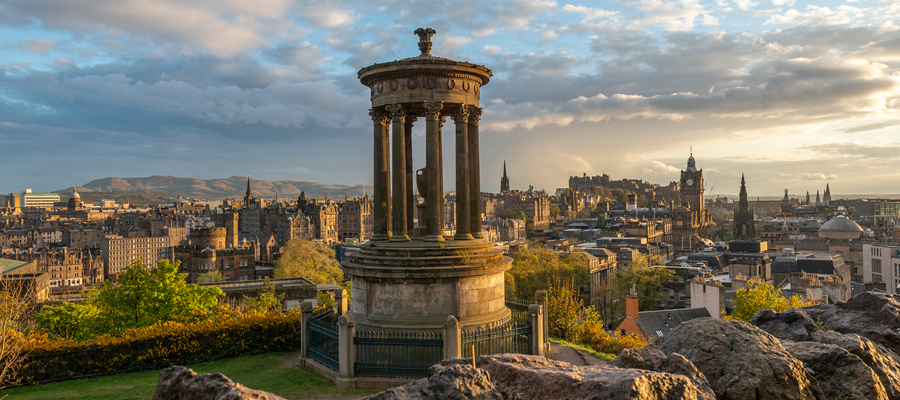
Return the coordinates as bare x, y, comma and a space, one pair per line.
340, 297
306, 309
474, 173
540, 298
346, 348
398, 209
452, 338
535, 314
434, 187
412, 200
463, 217
382, 197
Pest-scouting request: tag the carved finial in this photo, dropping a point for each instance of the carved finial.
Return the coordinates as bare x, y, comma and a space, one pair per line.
425, 40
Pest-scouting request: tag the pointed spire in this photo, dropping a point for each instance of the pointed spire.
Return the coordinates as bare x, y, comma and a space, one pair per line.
249, 194
504, 168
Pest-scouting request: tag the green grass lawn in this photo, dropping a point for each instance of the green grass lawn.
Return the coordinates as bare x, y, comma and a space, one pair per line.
264, 372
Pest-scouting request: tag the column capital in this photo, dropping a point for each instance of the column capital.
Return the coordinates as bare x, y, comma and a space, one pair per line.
433, 110
462, 115
474, 114
379, 117
396, 112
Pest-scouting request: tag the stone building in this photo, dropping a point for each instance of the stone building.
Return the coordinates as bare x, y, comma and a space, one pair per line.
355, 219
252, 214
504, 230
69, 267
881, 263
119, 251
323, 216
207, 253
691, 221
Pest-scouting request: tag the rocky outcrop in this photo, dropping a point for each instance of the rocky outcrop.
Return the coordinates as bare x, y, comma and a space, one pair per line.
516, 376
653, 359
180, 383
796, 325
875, 316
741, 361
455, 382
839, 373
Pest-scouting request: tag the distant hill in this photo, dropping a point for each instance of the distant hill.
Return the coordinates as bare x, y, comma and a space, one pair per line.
233, 187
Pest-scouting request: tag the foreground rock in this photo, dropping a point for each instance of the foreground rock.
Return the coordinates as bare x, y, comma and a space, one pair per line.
516, 376
875, 316
450, 383
796, 325
740, 361
180, 383
653, 359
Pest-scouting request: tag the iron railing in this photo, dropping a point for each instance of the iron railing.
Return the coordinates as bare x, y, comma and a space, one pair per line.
328, 316
397, 354
516, 304
509, 337
323, 343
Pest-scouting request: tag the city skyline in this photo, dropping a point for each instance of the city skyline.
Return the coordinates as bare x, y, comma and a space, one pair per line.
793, 94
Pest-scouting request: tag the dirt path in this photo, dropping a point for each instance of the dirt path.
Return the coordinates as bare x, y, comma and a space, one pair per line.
572, 356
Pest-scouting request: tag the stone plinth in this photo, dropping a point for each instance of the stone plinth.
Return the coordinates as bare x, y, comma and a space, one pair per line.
417, 285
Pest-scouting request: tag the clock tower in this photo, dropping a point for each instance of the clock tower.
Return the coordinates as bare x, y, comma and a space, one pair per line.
692, 185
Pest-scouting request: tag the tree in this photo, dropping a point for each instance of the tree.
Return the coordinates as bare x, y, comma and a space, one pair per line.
554, 210
69, 320
619, 195
14, 311
536, 268
759, 296
646, 279
602, 218
310, 260
210, 277
145, 295
266, 300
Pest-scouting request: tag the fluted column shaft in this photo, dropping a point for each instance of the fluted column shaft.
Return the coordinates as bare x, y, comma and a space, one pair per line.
399, 195
434, 193
463, 215
411, 201
474, 173
382, 196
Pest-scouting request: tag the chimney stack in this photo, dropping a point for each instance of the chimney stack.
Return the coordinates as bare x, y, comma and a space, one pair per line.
631, 304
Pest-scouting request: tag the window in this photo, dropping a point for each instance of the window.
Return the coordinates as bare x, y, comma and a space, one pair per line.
876, 266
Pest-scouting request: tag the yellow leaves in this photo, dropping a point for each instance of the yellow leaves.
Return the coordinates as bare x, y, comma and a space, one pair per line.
760, 296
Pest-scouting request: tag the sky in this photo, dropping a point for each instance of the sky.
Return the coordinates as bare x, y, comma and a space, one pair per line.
793, 94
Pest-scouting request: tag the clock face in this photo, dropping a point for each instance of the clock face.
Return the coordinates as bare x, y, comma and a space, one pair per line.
690, 182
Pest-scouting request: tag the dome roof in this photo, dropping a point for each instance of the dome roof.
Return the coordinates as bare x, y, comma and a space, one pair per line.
840, 224
75, 194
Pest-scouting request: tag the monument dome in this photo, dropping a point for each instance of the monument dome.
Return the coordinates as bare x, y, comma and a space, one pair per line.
840, 227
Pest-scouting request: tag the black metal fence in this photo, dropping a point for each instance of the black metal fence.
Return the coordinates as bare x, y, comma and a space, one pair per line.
509, 337
397, 354
323, 343
516, 304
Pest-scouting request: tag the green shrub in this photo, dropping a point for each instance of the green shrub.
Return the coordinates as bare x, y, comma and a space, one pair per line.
159, 346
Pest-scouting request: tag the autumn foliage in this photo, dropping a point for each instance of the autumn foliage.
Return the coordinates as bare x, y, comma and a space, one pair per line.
760, 296
571, 321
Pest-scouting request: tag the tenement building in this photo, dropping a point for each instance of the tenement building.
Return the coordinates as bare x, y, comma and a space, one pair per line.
119, 251
355, 219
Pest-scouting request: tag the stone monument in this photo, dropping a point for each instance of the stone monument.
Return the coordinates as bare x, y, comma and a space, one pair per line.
413, 277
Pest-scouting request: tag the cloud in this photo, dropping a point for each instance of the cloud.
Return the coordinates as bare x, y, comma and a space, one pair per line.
222, 28
872, 127
39, 46
855, 149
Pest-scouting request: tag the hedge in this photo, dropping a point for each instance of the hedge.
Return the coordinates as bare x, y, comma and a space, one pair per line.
160, 346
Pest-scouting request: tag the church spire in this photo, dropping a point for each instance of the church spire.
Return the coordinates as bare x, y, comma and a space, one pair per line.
249, 195
504, 182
